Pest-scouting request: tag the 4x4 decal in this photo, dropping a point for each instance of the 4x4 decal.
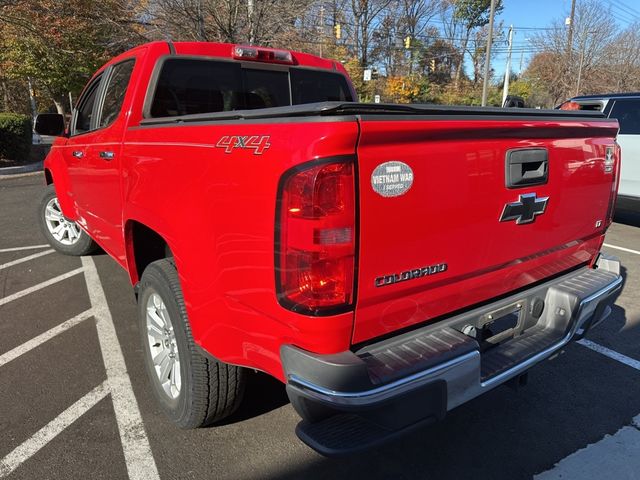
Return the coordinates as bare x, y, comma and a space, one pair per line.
258, 143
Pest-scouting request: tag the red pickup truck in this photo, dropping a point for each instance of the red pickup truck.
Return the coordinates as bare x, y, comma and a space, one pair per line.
387, 262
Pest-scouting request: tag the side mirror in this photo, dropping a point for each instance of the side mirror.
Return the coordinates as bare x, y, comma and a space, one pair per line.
50, 124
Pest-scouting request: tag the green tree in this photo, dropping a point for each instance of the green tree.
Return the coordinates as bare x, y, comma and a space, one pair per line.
472, 14
58, 45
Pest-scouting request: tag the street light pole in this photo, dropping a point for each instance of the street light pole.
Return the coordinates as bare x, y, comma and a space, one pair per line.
507, 72
487, 62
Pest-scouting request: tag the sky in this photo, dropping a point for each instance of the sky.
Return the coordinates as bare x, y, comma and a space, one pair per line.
525, 14
531, 14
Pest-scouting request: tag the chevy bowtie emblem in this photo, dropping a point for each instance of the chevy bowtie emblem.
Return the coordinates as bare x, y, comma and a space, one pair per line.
524, 210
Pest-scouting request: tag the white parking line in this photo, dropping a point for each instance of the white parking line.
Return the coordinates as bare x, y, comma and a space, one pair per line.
135, 444
17, 249
47, 433
615, 456
39, 286
43, 337
25, 259
621, 248
596, 347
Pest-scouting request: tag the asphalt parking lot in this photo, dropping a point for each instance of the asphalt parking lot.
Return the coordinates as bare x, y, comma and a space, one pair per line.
75, 401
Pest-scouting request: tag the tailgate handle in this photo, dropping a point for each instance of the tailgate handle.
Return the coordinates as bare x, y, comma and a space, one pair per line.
527, 166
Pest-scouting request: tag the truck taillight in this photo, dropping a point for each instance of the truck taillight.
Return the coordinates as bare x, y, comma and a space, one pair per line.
612, 165
315, 238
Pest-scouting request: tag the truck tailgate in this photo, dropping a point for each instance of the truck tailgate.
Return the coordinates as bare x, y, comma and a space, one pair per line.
432, 239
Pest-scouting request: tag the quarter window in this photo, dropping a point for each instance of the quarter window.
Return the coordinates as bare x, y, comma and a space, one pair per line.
84, 114
116, 89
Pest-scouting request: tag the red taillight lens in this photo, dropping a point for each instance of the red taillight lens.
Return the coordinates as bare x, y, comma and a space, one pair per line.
612, 165
315, 243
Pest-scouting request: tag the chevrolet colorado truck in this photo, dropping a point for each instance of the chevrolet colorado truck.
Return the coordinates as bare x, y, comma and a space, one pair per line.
388, 263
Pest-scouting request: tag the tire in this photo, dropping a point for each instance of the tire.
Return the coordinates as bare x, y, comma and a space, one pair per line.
62, 234
194, 391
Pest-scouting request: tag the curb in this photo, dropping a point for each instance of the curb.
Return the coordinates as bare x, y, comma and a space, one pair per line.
31, 167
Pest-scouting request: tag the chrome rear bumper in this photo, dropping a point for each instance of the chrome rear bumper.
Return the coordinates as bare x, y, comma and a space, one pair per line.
389, 387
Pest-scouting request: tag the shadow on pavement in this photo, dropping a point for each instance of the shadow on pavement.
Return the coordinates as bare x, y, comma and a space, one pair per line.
262, 395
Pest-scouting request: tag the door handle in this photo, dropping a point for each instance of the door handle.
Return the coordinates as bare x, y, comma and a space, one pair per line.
107, 155
527, 167
78, 153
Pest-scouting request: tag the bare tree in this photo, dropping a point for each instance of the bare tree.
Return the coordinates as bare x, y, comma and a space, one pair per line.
622, 73
472, 14
386, 41
593, 31
364, 14
415, 17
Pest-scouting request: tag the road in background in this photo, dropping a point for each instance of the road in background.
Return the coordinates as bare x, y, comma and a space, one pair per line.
57, 383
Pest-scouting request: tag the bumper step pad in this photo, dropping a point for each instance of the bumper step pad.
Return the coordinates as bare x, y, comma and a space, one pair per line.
340, 434
414, 353
504, 357
347, 434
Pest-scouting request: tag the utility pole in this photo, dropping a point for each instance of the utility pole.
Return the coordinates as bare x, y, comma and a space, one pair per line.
507, 72
568, 63
522, 57
570, 36
321, 28
250, 15
200, 19
582, 49
487, 62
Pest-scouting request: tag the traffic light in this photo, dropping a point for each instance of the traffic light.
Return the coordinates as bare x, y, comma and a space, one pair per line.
337, 30
433, 64
407, 42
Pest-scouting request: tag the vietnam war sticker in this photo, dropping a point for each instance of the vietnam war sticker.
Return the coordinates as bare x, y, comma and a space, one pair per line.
392, 179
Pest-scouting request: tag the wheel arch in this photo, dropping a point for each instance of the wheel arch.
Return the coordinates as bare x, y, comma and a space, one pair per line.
144, 245
48, 177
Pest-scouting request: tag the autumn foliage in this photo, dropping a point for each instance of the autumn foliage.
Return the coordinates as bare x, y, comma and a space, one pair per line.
57, 45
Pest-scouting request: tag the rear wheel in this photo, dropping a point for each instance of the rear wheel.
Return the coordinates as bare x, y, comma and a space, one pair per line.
194, 391
62, 234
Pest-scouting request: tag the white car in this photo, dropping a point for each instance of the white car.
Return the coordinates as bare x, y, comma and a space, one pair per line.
625, 107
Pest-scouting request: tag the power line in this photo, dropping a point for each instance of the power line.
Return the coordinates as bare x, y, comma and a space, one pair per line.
627, 10
633, 10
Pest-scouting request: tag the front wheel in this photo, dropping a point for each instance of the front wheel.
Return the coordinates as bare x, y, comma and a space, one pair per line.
194, 391
62, 234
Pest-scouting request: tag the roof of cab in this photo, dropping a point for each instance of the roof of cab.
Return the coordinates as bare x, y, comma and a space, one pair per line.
606, 96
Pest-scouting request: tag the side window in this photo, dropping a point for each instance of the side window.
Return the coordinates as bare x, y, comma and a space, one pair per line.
114, 95
627, 112
84, 113
187, 86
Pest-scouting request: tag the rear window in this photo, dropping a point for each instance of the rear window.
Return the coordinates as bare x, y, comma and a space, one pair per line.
309, 86
627, 112
189, 86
